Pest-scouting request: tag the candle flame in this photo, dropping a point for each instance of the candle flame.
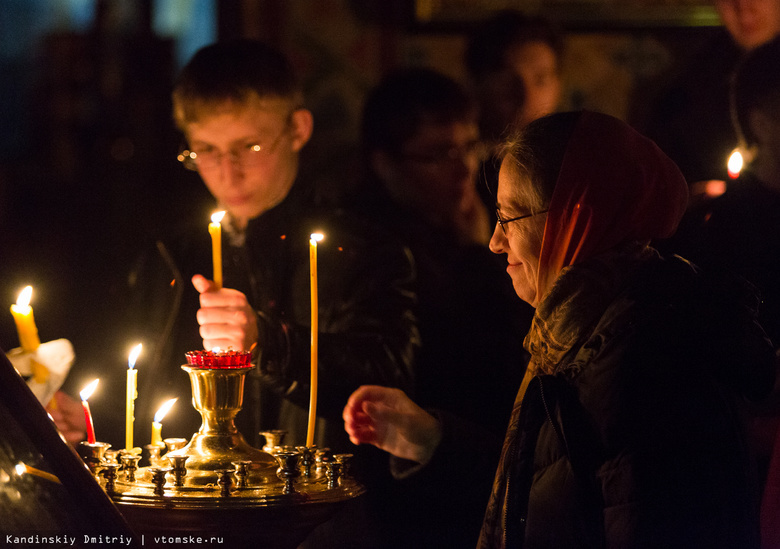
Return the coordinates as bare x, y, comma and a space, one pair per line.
735, 163
23, 301
216, 217
134, 356
87, 391
164, 409
316, 237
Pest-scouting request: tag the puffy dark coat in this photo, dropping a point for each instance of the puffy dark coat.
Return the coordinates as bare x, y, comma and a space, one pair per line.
631, 435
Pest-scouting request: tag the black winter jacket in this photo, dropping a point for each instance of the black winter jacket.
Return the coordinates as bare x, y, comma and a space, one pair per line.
632, 435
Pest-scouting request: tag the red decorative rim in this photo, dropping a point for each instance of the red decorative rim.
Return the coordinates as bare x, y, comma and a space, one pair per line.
221, 359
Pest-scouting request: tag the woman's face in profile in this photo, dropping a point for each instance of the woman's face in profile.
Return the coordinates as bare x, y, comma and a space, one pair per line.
520, 240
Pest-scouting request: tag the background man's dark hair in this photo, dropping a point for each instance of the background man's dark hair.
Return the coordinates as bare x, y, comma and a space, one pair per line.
488, 45
407, 98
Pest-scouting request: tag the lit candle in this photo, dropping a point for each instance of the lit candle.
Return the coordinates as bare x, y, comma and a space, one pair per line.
85, 393
157, 423
25, 322
132, 385
215, 230
316, 237
22, 468
735, 163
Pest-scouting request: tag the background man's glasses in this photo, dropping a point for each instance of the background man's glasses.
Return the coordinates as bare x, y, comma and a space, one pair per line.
443, 157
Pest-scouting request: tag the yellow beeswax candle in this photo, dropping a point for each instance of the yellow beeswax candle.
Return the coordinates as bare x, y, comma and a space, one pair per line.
25, 322
314, 336
157, 423
132, 394
215, 230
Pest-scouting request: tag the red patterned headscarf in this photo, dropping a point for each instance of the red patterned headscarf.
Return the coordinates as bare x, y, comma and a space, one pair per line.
614, 186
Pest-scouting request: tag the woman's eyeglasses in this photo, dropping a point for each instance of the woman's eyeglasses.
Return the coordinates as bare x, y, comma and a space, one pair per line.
502, 222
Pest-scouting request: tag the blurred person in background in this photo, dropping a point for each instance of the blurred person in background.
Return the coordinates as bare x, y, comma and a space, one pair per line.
514, 64
738, 233
421, 149
690, 119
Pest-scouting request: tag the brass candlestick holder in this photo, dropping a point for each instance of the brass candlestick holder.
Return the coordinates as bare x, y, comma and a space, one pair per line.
217, 394
219, 485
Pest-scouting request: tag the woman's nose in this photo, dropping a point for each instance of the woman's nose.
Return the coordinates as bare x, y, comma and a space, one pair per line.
496, 243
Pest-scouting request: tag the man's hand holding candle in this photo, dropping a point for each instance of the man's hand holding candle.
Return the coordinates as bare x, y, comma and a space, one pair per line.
226, 318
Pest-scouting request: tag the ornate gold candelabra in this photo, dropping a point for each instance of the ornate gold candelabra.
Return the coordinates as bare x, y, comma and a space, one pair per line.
217, 484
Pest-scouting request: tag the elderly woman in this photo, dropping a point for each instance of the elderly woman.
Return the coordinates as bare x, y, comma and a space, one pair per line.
626, 431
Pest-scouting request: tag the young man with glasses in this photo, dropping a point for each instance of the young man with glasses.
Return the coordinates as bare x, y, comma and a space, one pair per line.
240, 109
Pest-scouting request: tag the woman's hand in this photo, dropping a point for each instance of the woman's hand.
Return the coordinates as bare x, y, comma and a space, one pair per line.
225, 317
68, 416
389, 420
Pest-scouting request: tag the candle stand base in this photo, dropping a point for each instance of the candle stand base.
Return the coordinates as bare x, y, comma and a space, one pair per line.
218, 487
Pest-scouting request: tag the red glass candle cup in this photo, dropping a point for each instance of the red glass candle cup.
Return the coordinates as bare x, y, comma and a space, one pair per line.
219, 359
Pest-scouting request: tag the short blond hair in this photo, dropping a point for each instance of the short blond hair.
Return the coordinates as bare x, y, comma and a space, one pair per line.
232, 74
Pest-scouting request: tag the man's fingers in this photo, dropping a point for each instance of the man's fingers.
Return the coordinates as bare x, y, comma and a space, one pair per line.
223, 344
223, 315
202, 284
226, 297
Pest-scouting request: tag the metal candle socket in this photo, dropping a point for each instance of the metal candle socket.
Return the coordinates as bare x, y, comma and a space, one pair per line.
217, 394
93, 454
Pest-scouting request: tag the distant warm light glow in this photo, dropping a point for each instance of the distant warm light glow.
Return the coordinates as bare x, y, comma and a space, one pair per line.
714, 188
21, 468
134, 356
23, 301
710, 188
216, 217
87, 391
164, 409
735, 163
317, 237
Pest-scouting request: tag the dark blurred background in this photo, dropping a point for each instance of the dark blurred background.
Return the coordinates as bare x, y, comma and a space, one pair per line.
88, 174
